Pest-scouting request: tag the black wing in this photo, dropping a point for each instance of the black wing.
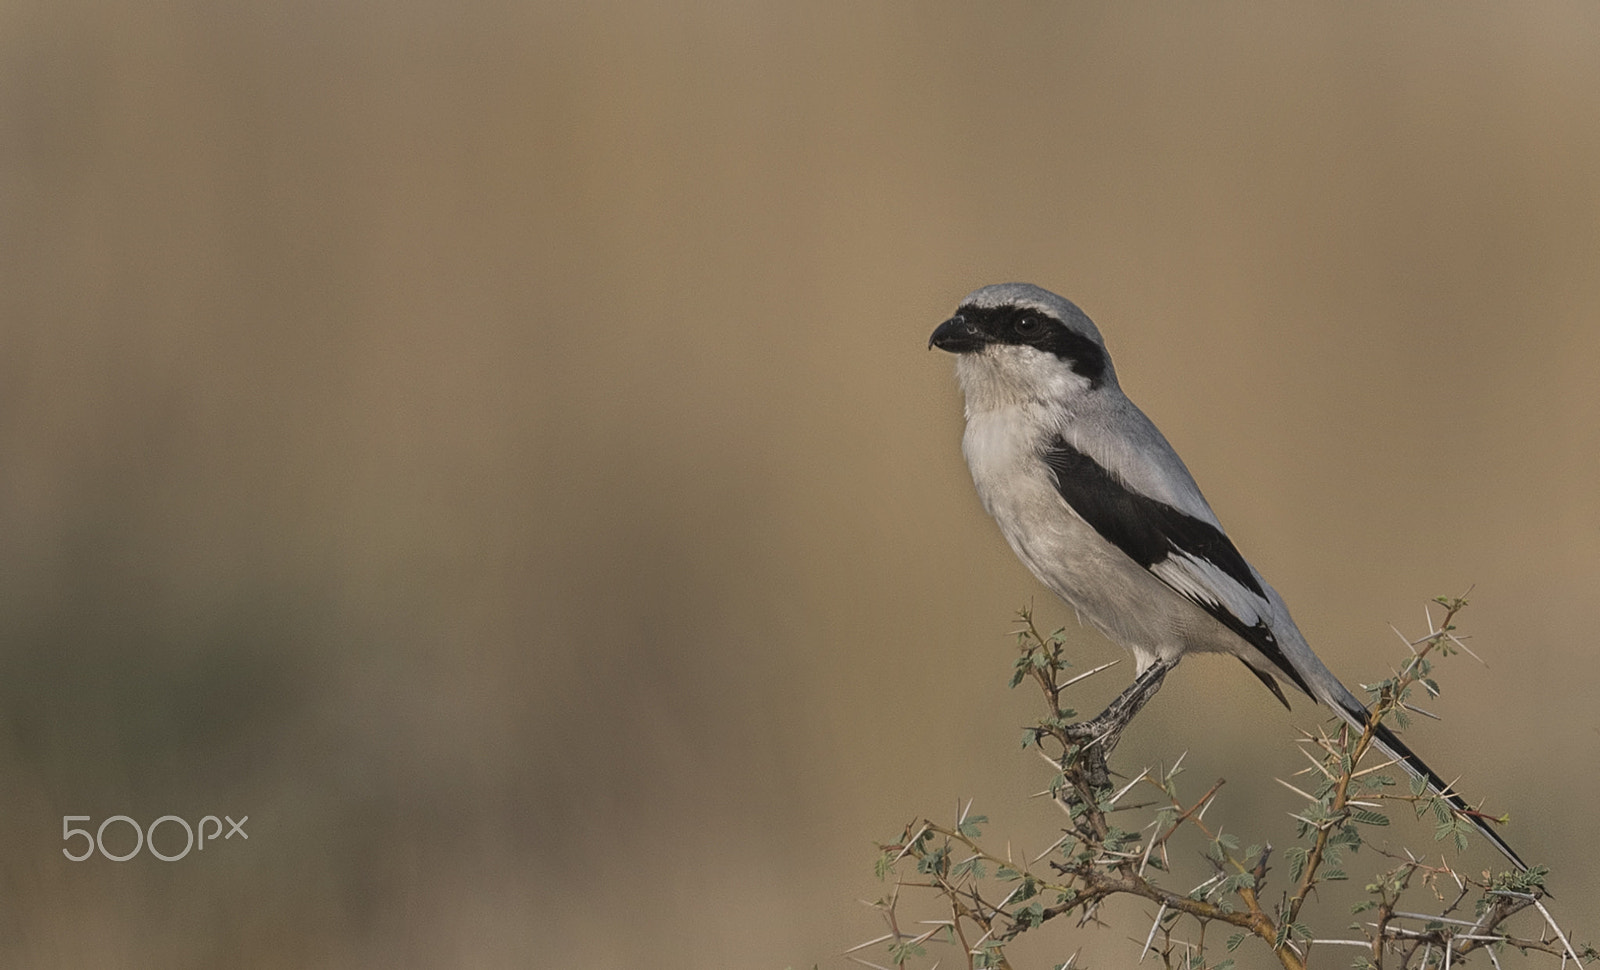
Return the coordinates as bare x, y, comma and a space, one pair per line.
1192, 556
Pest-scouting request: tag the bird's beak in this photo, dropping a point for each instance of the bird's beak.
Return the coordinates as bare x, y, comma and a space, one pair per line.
957, 335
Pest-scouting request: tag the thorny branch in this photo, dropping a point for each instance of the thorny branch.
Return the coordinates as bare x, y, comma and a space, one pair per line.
991, 899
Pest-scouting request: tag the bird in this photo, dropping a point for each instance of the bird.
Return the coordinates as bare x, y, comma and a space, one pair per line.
1097, 504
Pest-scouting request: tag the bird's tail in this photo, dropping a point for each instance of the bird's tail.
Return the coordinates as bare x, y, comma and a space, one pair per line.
1351, 710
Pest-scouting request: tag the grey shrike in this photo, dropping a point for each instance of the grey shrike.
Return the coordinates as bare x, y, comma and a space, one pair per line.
1102, 510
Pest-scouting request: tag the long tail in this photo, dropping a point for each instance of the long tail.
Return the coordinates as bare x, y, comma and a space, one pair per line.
1350, 709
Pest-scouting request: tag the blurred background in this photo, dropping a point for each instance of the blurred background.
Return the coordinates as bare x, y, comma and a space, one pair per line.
493, 447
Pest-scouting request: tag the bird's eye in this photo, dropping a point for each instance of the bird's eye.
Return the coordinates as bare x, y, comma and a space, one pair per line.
1029, 325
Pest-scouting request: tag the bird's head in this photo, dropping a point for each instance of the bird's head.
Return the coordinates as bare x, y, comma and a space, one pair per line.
1016, 342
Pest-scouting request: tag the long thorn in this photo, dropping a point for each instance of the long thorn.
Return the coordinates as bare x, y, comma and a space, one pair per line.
1089, 673
1152, 935
1295, 790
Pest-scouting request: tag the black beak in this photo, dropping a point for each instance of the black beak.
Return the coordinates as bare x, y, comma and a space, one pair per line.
957, 335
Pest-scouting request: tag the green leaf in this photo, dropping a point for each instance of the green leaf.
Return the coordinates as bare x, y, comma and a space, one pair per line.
902, 952
1297, 856
969, 825
1235, 940
1367, 817
1222, 845
1347, 834
1032, 917
989, 954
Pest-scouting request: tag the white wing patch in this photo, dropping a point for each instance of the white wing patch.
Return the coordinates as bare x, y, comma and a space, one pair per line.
1203, 582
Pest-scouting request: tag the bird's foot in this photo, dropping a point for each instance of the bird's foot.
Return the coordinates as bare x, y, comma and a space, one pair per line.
1097, 736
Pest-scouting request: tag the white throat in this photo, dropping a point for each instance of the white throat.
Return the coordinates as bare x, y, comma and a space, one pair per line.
1006, 376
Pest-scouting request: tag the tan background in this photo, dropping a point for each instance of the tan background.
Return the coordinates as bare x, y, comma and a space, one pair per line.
492, 446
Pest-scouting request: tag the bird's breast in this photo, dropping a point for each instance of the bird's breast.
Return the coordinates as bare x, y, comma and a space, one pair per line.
1002, 451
